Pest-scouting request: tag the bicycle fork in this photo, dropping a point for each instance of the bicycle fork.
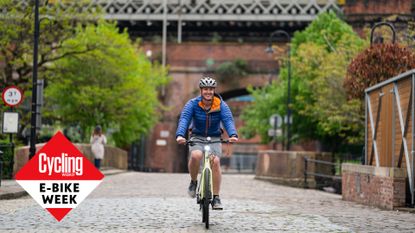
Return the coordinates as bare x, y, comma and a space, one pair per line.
201, 189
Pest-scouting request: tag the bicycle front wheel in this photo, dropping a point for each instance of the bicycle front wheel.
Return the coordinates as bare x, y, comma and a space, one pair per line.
207, 194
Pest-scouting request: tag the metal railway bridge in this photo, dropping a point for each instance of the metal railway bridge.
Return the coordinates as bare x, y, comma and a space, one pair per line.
197, 20
205, 10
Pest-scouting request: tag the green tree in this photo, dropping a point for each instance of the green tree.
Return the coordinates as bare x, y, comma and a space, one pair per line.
322, 99
16, 43
320, 109
115, 86
256, 116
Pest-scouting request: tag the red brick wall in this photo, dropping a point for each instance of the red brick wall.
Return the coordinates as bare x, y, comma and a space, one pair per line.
378, 7
163, 153
362, 14
196, 54
374, 186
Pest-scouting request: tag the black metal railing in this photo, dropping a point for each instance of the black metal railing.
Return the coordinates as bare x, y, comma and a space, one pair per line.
331, 178
6, 161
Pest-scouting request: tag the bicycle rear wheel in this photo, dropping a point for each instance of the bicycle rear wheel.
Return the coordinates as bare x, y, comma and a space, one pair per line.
207, 195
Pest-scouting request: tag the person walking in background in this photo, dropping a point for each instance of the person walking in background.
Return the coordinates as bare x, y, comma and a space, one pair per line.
98, 140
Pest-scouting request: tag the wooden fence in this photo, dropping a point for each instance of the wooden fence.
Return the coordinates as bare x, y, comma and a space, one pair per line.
389, 127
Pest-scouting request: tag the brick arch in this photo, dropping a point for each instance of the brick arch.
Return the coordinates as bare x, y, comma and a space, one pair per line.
256, 80
234, 93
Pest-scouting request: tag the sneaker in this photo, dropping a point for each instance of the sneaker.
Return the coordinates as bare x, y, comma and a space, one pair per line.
192, 189
216, 204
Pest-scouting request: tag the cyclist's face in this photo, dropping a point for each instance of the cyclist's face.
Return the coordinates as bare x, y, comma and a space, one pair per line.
207, 93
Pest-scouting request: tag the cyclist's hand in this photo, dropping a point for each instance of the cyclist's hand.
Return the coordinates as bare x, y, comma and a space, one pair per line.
181, 140
233, 139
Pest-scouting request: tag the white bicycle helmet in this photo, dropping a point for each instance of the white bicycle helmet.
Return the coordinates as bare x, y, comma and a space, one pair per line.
207, 82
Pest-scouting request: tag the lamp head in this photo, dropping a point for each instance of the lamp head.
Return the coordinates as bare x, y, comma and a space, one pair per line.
269, 49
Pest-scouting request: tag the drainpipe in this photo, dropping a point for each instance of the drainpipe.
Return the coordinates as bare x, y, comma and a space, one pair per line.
179, 24
164, 44
163, 61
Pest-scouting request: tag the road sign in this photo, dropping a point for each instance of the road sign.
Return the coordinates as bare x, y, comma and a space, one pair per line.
274, 132
59, 177
275, 121
10, 122
286, 119
12, 96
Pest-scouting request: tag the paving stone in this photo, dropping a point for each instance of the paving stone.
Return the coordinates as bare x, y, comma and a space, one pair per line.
157, 202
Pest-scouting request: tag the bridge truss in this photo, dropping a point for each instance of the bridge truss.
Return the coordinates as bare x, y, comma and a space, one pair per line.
198, 19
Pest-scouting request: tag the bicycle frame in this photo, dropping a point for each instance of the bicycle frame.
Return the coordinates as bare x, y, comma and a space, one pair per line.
206, 166
204, 197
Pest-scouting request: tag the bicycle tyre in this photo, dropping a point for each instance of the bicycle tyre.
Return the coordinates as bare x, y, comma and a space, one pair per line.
207, 194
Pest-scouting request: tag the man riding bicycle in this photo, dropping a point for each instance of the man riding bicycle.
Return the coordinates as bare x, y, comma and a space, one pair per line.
206, 113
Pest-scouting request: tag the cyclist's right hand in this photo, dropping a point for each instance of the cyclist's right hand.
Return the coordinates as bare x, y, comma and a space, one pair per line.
181, 140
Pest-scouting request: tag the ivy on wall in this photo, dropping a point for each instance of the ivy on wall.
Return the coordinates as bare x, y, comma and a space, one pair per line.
231, 71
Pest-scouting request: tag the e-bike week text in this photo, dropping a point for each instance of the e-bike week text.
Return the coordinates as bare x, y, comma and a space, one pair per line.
67, 166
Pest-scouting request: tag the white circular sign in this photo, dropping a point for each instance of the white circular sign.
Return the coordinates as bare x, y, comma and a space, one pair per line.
275, 121
12, 96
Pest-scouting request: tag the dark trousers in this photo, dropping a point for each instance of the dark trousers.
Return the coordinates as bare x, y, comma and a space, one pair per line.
97, 163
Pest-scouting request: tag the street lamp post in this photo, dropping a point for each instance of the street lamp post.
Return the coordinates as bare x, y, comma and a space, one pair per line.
34, 83
269, 49
383, 24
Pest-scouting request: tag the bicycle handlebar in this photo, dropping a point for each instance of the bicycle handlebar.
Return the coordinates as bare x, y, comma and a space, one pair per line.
191, 142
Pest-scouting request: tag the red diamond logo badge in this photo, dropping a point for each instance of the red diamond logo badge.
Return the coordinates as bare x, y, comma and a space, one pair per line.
59, 177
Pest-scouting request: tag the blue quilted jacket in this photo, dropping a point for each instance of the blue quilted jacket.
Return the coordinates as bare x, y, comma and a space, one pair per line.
206, 123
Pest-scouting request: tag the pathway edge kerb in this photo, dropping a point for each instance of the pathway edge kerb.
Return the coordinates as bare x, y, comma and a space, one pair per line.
13, 195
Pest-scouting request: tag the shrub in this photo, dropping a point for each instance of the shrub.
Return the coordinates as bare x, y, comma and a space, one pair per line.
231, 71
376, 64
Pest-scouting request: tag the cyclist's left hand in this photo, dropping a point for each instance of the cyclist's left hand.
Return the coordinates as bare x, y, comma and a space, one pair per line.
233, 139
181, 140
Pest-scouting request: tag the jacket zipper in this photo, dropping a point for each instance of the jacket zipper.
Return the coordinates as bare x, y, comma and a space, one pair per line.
207, 123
